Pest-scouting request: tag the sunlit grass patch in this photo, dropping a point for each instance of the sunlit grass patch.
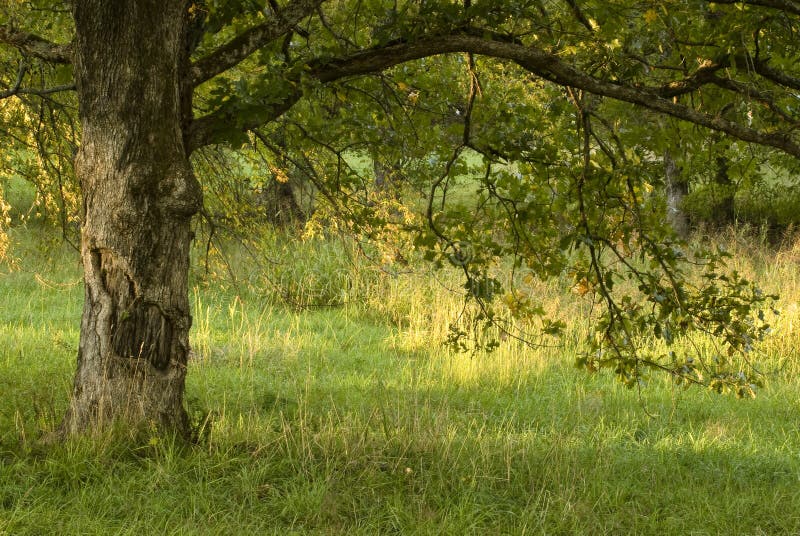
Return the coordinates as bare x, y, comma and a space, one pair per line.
356, 418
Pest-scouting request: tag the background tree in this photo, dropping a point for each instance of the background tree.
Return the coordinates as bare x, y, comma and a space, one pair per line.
561, 186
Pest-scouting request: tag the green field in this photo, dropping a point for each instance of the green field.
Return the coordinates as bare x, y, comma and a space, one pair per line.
353, 418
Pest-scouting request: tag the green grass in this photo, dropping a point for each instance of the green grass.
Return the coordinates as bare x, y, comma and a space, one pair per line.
354, 419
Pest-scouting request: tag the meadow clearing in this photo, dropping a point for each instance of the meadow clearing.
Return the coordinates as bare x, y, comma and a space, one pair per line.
354, 418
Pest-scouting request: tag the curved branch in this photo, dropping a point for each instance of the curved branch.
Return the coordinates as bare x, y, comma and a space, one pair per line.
23, 68
240, 47
535, 60
33, 45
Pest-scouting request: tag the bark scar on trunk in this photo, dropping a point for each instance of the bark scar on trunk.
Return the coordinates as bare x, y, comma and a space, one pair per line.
140, 329
145, 331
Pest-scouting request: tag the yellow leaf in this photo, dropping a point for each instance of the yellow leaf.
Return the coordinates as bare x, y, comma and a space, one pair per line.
280, 175
650, 16
582, 287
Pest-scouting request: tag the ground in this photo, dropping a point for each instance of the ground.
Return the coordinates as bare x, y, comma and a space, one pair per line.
355, 419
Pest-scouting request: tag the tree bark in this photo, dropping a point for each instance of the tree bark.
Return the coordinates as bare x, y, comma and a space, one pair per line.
139, 196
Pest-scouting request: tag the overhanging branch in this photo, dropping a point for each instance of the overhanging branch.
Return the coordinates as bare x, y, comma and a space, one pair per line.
33, 45
39, 92
211, 128
240, 47
537, 61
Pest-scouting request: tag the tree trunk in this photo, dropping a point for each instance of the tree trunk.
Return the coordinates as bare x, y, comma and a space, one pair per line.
724, 208
677, 189
139, 196
279, 201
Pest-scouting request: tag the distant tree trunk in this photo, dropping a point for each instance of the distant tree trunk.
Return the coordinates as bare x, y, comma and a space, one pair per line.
724, 207
280, 202
281, 198
677, 189
383, 175
388, 177
139, 196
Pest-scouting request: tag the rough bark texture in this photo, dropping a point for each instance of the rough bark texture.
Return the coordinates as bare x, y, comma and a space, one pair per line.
677, 189
139, 196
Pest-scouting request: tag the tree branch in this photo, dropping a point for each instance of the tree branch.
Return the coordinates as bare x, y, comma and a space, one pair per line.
789, 6
240, 47
537, 61
576, 10
23, 68
37, 92
702, 76
759, 96
771, 74
33, 45
211, 128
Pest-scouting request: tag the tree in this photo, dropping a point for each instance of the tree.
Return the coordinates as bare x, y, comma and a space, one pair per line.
157, 81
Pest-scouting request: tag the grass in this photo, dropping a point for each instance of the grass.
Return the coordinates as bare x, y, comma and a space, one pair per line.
354, 419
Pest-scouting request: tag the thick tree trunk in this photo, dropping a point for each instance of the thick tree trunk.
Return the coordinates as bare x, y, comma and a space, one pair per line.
139, 196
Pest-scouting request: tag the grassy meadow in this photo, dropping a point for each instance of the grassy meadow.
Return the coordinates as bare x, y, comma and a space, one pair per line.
352, 417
